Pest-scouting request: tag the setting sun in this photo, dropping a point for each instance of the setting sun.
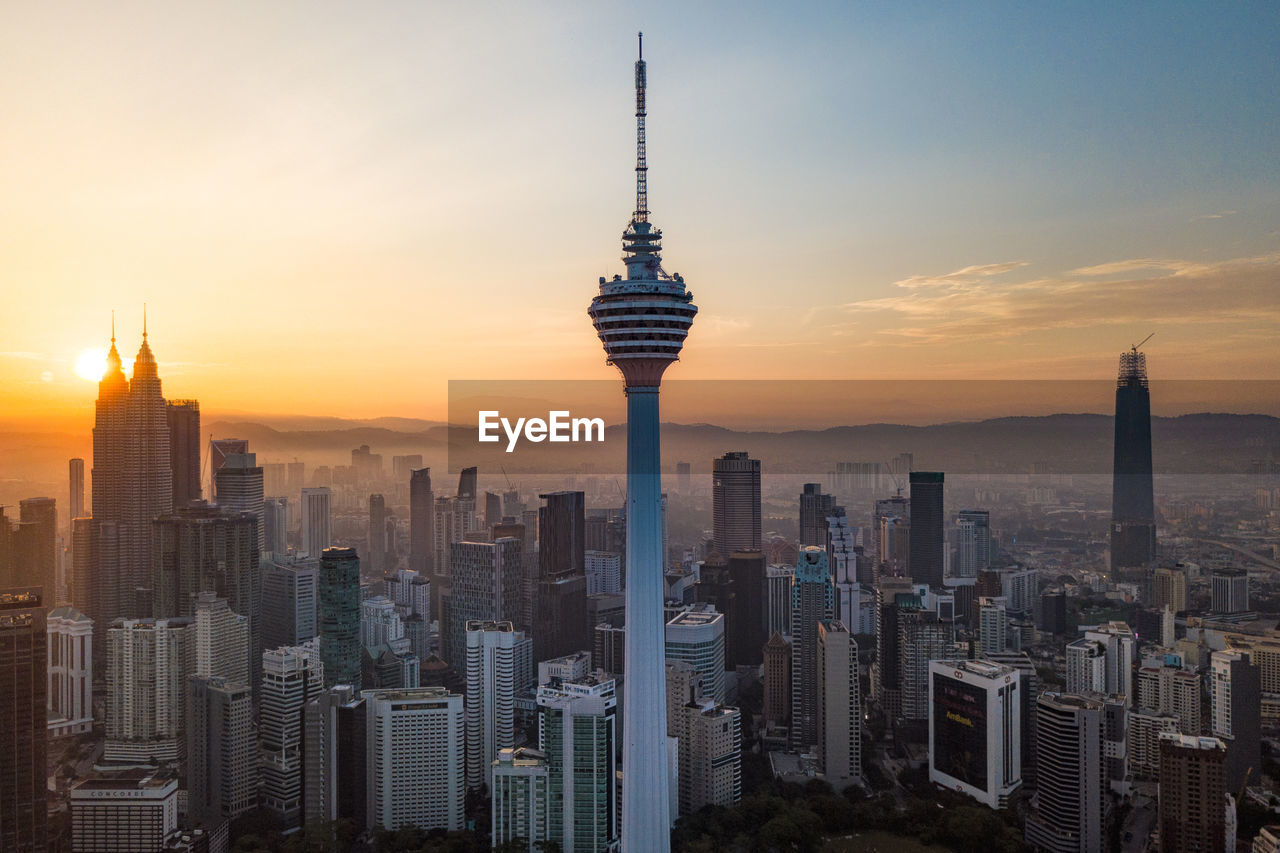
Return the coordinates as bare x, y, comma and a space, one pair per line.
91, 364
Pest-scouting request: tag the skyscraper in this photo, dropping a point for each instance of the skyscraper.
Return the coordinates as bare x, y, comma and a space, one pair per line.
559, 601
521, 789
222, 750
491, 694
973, 543
421, 522
814, 509
377, 535
75, 470
486, 587
184, 450
275, 525
890, 536
975, 744
708, 741
1235, 694
335, 757
642, 322
315, 520
238, 486
291, 676
735, 503
1071, 805
695, 635
839, 706
38, 528
926, 540
222, 640
812, 602
416, 774
339, 616
577, 733
70, 672
132, 483
1229, 590
148, 661
23, 735
1133, 515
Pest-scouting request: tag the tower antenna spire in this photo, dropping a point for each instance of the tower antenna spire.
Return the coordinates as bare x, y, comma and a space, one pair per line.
144, 321
642, 168
113, 327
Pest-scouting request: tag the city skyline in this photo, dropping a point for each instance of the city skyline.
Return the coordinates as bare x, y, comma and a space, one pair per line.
1050, 227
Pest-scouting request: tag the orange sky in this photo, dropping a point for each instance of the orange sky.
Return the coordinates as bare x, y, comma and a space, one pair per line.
336, 213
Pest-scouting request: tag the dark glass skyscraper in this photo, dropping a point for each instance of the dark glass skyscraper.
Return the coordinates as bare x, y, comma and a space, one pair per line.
735, 503
926, 540
422, 508
1133, 516
23, 736
339, 616
184, 450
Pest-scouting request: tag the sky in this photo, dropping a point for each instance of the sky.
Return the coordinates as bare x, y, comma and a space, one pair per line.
336, 208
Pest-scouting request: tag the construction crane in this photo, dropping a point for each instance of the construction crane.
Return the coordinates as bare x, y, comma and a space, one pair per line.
1143, 341
1243, 785
894, 476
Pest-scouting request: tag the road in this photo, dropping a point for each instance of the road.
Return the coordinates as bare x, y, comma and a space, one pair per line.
1140, 821
1262, 561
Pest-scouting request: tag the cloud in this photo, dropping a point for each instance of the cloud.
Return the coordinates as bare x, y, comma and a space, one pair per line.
960, 277
1221, 215
29, 356
1240, 291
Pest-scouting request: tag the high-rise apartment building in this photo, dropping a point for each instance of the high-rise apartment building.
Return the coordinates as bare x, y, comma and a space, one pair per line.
492, 672
735, 503
316, 513
1145, 728
993, 625
291, 677
814, 509
812, 602
205, 548
416, 773
1071, 802
339, 616
1172, 690
222, 750
1194, 805
222, 640
521, 796
839, 706
70, 685
777, 594
1102, 661
708, 742
148, 661
927, 543
973, 543
335, 755
185, 444
975, 744
922, 639
23, 731
577, 732
1133, 516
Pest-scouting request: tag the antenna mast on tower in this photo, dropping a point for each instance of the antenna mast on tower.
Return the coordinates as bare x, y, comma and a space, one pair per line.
642, 168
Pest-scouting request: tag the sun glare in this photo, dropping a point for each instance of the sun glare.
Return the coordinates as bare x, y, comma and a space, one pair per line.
91, 364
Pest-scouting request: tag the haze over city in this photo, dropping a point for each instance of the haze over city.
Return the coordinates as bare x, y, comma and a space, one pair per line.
311, 197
